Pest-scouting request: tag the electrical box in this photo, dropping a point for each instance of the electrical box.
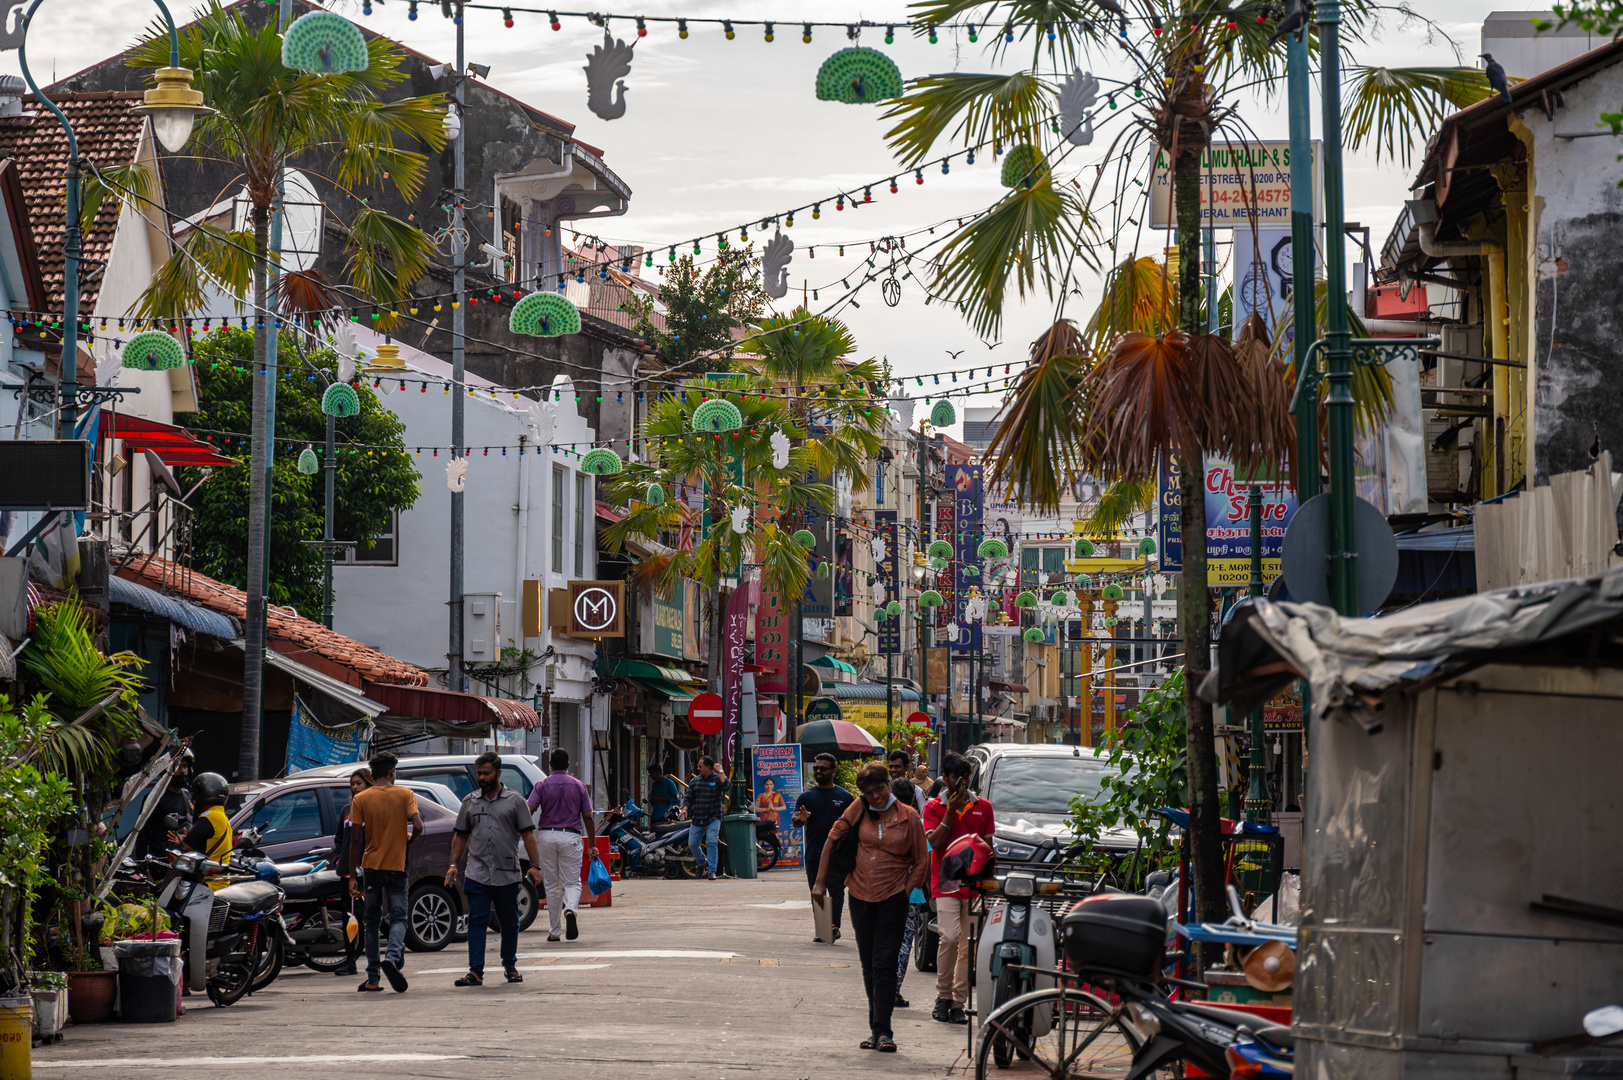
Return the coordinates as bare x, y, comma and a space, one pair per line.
482, 627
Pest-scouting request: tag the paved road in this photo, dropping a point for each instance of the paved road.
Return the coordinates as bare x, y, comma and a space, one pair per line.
677, 979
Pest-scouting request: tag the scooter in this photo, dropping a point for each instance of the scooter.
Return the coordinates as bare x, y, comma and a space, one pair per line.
649, 851
226, 934
1015, 952
320, 932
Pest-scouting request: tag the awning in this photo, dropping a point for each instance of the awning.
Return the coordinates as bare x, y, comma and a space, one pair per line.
608, 513
866, 691
174, 445
450, 706
832, 662
642, 670
678, 696
334, 702
1007, 687
190, 616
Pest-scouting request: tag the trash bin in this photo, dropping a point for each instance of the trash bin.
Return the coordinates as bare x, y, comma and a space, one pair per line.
148, 973
738, 833
16, 1038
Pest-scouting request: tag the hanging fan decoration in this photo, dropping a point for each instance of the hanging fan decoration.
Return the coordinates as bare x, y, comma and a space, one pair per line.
1146, 546
1111, 591
340, 399
1025, 600
942, 414
1083, 548
822, 569
780, 449
326, 43
805, 539
940, 549
1060, 599
152, 350
544, 314
929, 598
741, 519
716, 415
309, 464
992, 548
878, 546
1034, 635
894, 607
600, 462
858, 76
654, 496
1023, 166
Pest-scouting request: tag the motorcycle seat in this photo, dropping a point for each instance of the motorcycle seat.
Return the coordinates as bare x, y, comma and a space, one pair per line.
310, 886
665, 828
1231, 1017
251, 896
295, 869
1276, 1036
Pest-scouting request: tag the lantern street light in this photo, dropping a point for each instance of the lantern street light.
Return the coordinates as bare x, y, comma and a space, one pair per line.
173, 106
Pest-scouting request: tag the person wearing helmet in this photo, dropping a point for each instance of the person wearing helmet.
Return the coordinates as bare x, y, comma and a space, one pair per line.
211, 832
954, 814
158, 835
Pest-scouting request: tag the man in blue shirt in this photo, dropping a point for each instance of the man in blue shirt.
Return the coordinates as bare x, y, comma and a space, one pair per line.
662, 794
704, 800
816, 810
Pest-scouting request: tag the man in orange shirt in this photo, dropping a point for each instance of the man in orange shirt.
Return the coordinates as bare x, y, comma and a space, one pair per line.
378, 816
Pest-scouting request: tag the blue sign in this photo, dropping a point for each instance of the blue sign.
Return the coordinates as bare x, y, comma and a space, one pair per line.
1169, 517
969, 511
309, 745
778, 783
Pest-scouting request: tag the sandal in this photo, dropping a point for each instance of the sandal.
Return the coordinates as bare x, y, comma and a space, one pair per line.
513, 975
866, 1044
471, 979
369, 988
885, 1044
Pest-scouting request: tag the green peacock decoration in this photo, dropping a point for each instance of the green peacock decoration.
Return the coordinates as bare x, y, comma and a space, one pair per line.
152, 350
654, 496
1026, 599
1034, 635
942, 414
1060, 598
1146, 546
992, 548
600, 462
1111, 591
325, 43
805, 539
940, 549
929, 598
717, 415
544, 314
309, 464
1023, 166
1083, 548
340, 399
859, 76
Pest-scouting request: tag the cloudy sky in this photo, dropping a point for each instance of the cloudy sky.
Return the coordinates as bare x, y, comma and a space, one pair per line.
717, 133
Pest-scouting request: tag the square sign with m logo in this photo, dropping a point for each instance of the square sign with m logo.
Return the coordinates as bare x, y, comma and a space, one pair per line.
596, 609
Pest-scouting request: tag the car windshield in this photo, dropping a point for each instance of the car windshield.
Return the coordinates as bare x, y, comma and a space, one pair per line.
1042, 785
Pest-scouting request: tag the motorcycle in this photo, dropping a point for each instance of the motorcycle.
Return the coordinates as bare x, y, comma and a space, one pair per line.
320, 932
647, 851
226, 935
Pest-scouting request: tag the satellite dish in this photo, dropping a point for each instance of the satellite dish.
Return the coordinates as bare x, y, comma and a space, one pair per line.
161, 473
1305, 559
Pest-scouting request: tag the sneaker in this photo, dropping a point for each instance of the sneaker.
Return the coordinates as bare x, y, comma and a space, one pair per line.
901, 1002
710, 876
942, 1011
957, 1015
571, 931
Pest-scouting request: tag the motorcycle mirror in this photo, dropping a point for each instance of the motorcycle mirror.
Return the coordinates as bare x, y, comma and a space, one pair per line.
171, 822
1604, 1021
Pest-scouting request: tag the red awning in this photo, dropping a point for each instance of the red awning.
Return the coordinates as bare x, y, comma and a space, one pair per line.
424, 702
175, 446
608, 513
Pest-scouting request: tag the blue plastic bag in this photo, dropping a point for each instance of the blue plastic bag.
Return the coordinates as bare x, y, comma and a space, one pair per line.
917, 897
597, 878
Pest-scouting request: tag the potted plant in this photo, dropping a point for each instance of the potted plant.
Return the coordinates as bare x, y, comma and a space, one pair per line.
50, 992
92, 989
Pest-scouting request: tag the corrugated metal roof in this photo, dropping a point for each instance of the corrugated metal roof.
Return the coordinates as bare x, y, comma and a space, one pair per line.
864, 691
155, 603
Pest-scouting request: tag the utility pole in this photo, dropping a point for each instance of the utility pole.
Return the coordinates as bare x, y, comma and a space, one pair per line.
1304, 319
459, 329
1258, 806
329, 470
1338, 337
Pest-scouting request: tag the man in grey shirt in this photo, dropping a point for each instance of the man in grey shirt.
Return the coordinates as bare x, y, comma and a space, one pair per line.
488, 829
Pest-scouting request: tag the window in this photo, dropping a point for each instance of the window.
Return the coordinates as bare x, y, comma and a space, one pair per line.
381, 551
879, 484
582, 497
514, 778
456, 778
1053, 561
294, 816
557, 519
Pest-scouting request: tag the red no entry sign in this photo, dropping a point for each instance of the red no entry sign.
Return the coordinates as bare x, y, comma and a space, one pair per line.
704, 714
922, 719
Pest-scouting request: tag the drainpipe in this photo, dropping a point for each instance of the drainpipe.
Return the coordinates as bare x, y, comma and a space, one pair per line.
521, 560
1424, 213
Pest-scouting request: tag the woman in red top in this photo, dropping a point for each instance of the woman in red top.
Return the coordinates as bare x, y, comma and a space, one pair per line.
892, 860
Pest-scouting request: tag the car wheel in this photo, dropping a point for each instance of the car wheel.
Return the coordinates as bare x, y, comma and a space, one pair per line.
431, 918
529, 904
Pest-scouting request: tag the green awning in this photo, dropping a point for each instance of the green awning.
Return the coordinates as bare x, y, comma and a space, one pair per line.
641, 670
678, 696
831, 662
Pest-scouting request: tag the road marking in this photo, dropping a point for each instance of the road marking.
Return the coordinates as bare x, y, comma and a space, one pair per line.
535, 967
635, 954
787, 905
305, 1059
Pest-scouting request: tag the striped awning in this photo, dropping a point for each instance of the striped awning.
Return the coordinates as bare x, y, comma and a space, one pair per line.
863, 691
156, 603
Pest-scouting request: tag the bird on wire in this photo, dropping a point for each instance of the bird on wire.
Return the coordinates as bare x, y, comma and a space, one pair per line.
1293, 23
1496, 76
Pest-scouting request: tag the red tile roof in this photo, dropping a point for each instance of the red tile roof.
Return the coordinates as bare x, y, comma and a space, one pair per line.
109, 134
172, 578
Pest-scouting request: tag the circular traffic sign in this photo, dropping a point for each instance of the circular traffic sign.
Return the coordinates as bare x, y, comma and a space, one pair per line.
921, 719
704, 714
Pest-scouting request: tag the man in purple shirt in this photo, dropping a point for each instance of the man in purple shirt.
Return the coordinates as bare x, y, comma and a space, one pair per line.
563, 806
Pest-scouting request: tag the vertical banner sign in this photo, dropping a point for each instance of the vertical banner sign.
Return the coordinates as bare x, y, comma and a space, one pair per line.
771, 645
969, 512
818, 602
947, 577
1228, 525
890, 630
777, 786
1169, 518
734, 622
1262, 278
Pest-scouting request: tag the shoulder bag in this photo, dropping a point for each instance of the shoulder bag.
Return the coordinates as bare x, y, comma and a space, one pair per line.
842, 854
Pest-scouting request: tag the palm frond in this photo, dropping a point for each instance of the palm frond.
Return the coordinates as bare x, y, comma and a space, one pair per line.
1139, 297
112, 180
978, 108
1396, 109
1271, 424
1035, 453
209, 255
386, 255
1119, 503
1029, 236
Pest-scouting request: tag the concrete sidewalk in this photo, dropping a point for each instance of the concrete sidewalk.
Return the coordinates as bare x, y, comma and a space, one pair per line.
678, 978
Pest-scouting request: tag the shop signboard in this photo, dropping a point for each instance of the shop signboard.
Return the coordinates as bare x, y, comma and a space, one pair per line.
969, 517
309, 745
734, 621
1243, 183
1169, 518
778, 784
890, 629
670, 622
1228, 525
771, 644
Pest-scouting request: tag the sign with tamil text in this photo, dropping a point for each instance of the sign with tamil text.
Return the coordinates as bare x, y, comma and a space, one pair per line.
1242, 184
1228, 525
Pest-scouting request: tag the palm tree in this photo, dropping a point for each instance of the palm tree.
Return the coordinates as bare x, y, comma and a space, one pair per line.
1161, 389
265, 116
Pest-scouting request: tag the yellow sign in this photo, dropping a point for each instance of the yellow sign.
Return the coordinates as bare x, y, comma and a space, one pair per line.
1238, 571
871, 714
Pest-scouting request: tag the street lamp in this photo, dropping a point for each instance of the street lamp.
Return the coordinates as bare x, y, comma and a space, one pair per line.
173, 105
